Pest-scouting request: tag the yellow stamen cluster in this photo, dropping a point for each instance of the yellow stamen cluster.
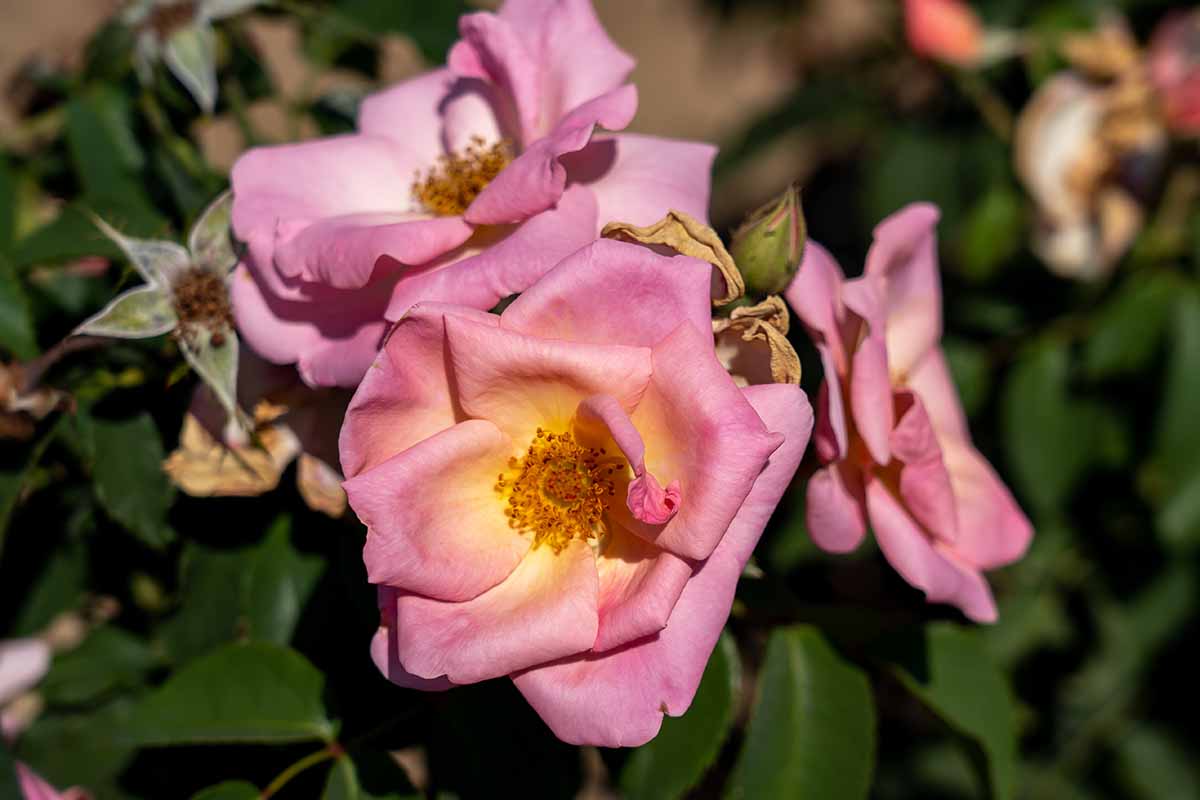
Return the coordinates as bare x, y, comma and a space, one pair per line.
559, 490
447, 189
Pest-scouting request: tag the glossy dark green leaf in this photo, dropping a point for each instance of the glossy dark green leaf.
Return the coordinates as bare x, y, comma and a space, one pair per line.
256, 592
957, 679
812, 733
129, 480
675, 760
229, 790
80, 749
254, 692
1154, 765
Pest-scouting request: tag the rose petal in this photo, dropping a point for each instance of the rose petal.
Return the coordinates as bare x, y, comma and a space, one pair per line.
639, 587
834, 509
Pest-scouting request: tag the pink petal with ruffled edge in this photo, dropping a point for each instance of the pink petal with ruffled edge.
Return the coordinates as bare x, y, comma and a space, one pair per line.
333, 336
815, 294
699, 430
579, 60
618, 699
511, 265
521, 382
384, 654
615, 293
905, 253
545, 610
406, 395
834, 511
910, 552
639, 587
638, 179
435, 523
871, 397
493, 51
535, 180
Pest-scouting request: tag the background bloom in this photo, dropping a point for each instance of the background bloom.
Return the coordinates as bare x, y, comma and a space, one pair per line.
891, 432
566, 493
463, 184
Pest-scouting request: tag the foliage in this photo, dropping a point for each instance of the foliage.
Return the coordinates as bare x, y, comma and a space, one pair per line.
239, 655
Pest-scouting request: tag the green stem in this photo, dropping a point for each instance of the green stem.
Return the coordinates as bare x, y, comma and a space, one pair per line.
311, 760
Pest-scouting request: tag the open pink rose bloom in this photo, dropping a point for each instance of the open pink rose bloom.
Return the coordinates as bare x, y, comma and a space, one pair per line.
464, 184
891, 432
566, 493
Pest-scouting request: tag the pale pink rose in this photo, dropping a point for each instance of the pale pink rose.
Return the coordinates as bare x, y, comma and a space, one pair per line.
339, 237
1175, 70
603, 594
890, 429
946, 30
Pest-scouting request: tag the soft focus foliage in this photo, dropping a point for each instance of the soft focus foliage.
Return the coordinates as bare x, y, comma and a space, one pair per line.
204, 629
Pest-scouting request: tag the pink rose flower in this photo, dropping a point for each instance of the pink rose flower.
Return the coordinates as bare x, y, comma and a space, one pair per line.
946, 30
566, 493
891, 432
1175, 70
462, 185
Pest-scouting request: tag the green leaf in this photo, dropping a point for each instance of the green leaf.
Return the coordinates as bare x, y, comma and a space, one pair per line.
17, 333
68, 236
971, 372
992, 233
1130, 326
80, 749
109, 660
278, 584
1173, 479
346, 783
956, 678
229, 790
255, 692
190, 54
129, 480
210, 242
137, 314
1154, 766
675, 760
1051, 437
257, 592
812, 734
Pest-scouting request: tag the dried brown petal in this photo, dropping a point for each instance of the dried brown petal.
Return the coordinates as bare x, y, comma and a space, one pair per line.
204, 467
688, 236
752, 344
321, 486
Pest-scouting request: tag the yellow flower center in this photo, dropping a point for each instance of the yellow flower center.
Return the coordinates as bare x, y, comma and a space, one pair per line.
448, 188
559, 490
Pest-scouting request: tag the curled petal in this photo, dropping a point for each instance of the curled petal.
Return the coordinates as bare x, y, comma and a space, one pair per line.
640, 682
385, 655
834, 509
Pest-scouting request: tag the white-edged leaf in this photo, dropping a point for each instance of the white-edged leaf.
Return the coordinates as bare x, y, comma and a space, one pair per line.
159, 262
190, 54
137, 314
210, 242
217, 366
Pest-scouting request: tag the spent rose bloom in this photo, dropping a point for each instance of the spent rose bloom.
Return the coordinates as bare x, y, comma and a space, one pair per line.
1175, 70
463, 185
566, 493
891, 432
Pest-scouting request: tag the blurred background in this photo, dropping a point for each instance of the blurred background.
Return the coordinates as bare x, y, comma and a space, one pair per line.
1070, 245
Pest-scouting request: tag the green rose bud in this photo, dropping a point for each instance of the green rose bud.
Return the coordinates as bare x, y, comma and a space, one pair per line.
770, 243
